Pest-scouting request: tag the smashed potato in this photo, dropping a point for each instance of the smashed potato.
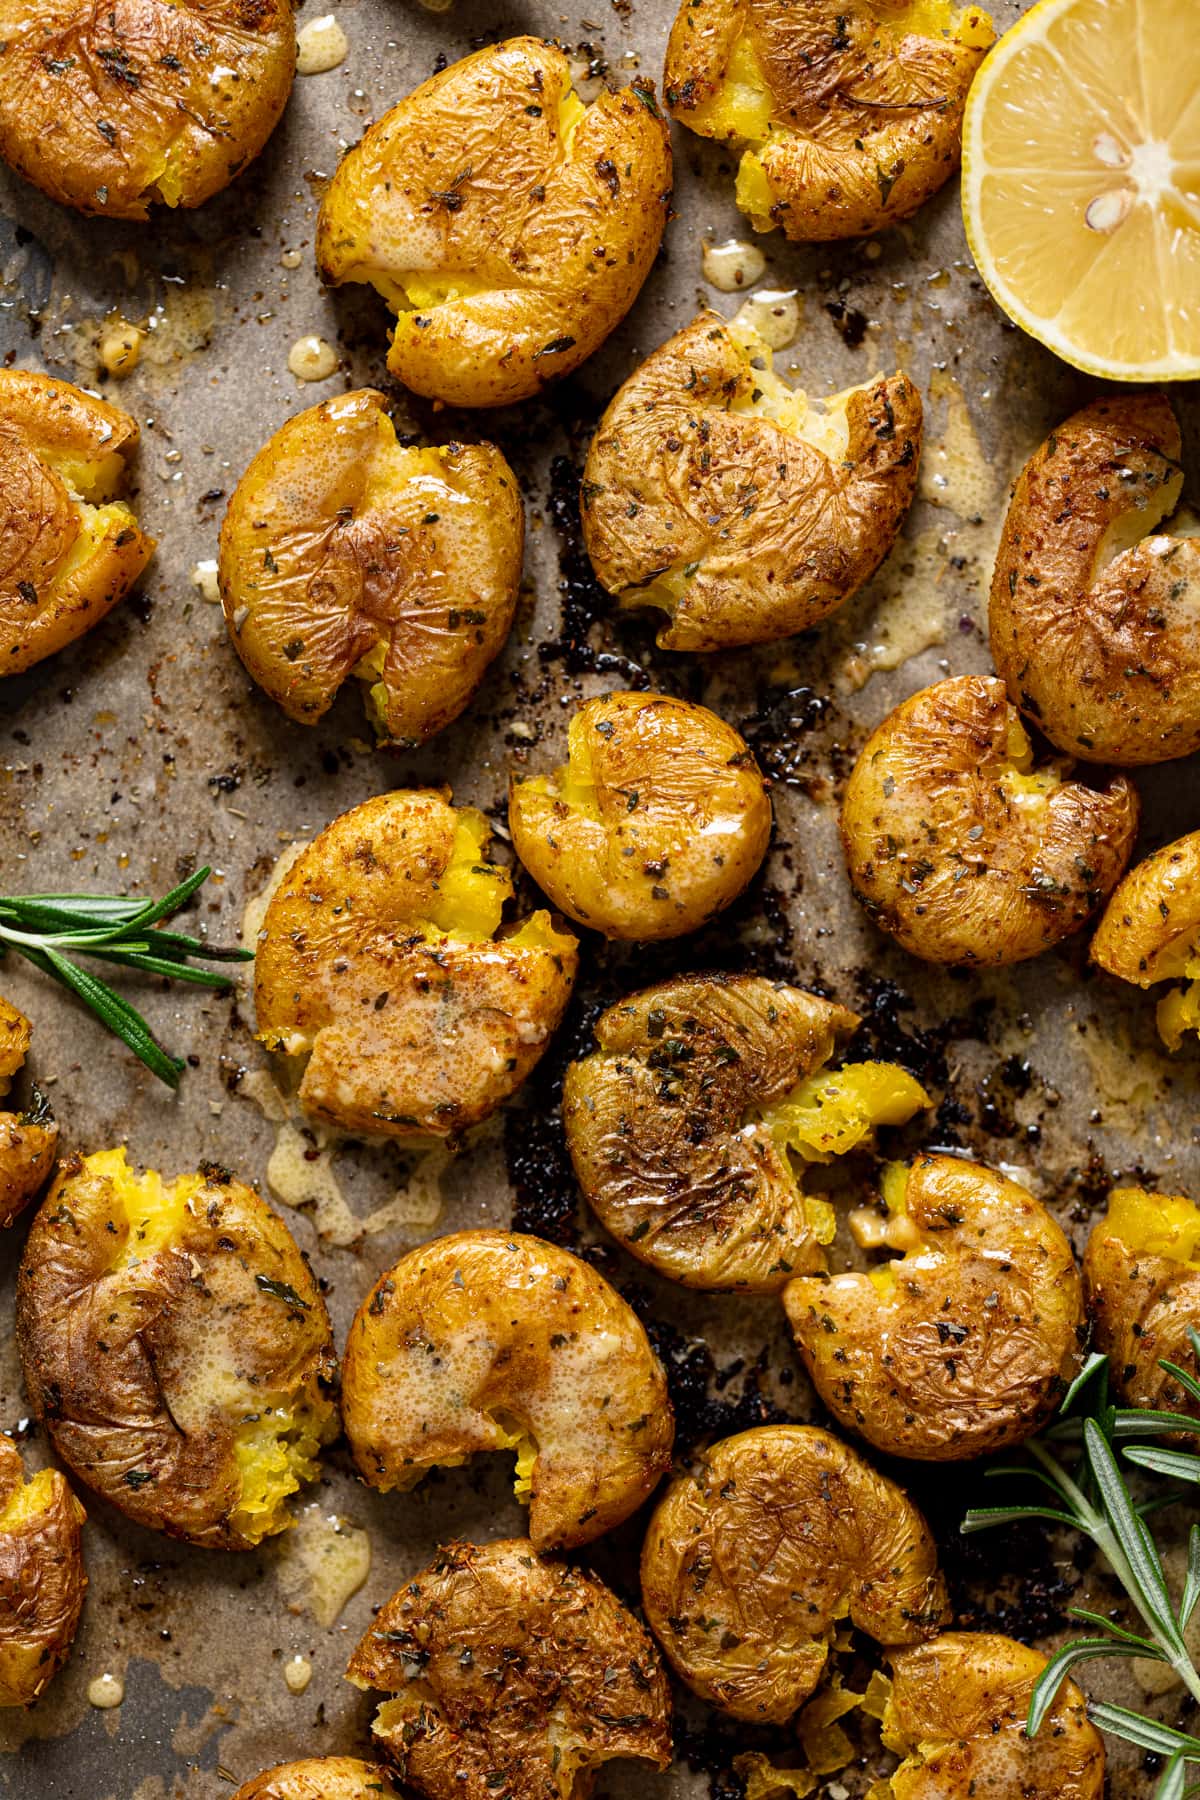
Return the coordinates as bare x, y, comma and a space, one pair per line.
343, 553
70, 547
114, 107
42, 1577
1095, 617
511, 1676
1150, 932
962, 848
320, 1778
28, 1139
1142, 1270
176, 1347
658, 821
507, 226
752, 1560
957, 1715
690, 1124
718, 494
379, 961
848, 113
966, 1343
485, 1340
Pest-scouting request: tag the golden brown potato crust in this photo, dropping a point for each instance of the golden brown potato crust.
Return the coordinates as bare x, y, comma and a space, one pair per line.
320, 1778
963, 852
657, 823
766, 533
1095, 618
959, 1705
29, 1138
865, 117
1150, 929
1143, 1302
110, 105
69, 548
482, 1338
751, 1561
506, 1666
525, 238
408, 1031
971, 1346
42, 1577
338, 542
139, 1365
658, 1123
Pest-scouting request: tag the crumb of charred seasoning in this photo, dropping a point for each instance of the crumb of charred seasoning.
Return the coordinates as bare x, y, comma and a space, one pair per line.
777, 731
584, 602
851, 323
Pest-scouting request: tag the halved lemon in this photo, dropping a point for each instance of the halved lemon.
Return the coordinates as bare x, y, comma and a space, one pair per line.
1081, 182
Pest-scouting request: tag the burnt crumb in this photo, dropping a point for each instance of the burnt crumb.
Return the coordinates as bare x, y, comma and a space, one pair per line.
584, 601
850, 322
698, 1386
775, 733
546, 1200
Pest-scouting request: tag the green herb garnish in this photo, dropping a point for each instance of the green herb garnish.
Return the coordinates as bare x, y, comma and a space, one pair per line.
1092, 1496
51, 930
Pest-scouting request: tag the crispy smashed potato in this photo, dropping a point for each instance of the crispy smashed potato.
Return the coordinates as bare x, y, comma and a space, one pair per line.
1150, 932
690, 1125
511, 1676
752, 1560
718, 494
70, 547
379, 961
964, 850
344, 553
29, 1138
957, 1716
42, 1577
1095, 616
486, 1340
508, 226
656, 823
320, 1778
176, 1347
963, 1345
1142, 1272
848, 113
113, 107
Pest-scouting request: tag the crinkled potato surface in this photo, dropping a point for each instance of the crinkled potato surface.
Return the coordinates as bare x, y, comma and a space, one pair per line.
731, 502
1142, 1272
345, 553
29, 1138
508, 226
1150, 932
42, 1576
320, 1778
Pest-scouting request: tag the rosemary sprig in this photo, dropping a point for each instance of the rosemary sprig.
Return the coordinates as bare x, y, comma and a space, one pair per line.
1093, 1496
51, 930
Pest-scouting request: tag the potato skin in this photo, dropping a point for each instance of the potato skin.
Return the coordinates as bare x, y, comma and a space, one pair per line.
94, 99
1103, 654
866, 117
1150, 928
751, 1560
954, 864
337, 539
28, 1139
778, 536
467, 176
663, 782
974, 1345
115, 1351
462, 1022
1142, 1300
524, 1332
963, 1699
320, 1778
42, 1580
659, 1140
44, 603
581, 1682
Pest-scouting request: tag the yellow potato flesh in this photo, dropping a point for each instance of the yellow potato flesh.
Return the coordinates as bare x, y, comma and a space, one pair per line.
1156, 1224
1179, 1011
30, 1500
276, 1451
